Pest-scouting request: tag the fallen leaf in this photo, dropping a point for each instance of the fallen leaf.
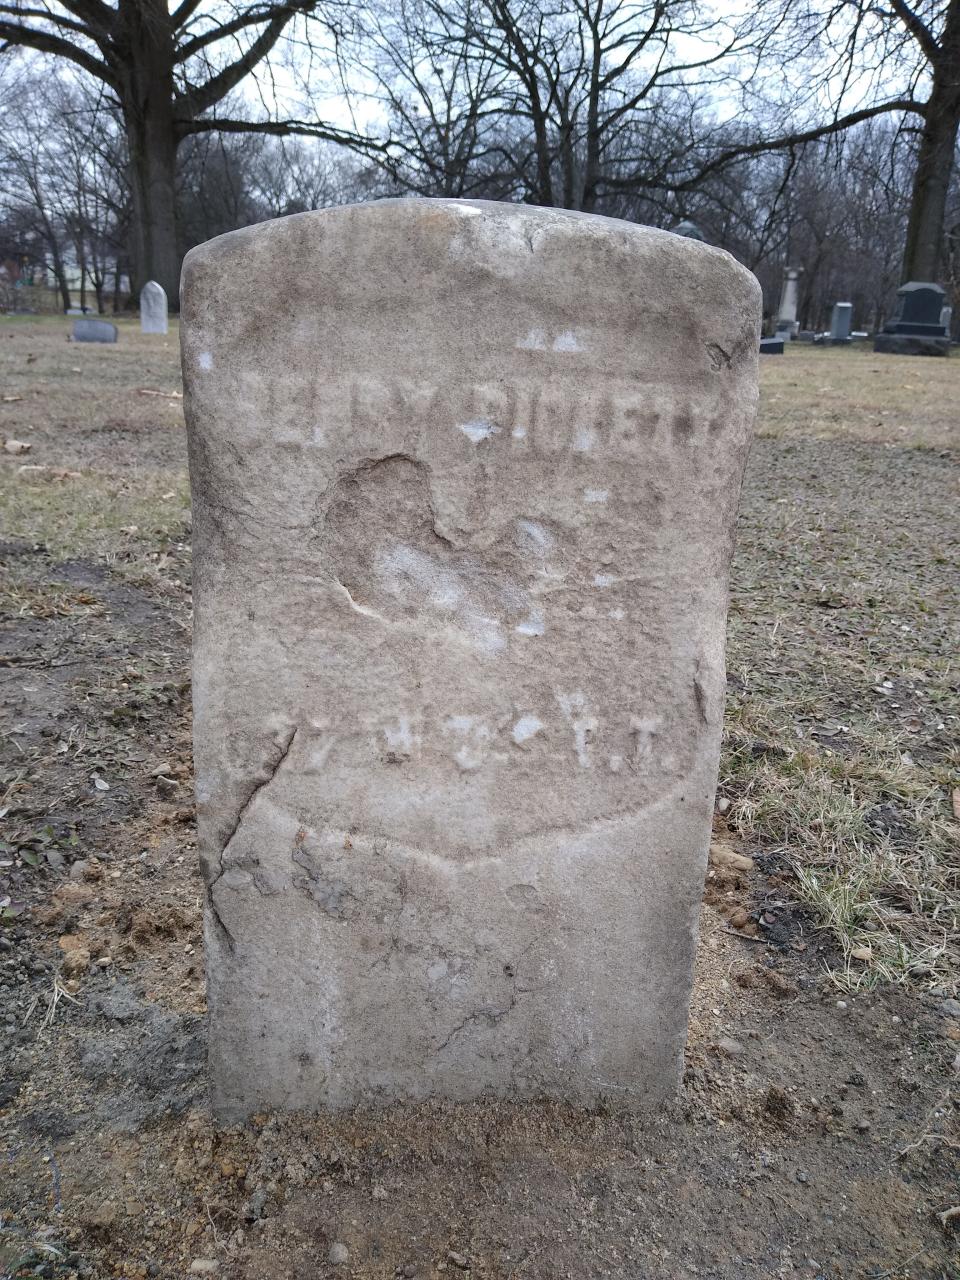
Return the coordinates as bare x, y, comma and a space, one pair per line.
99, 783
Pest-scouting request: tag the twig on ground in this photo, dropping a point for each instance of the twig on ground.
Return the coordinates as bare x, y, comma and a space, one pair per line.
57, 993
928, 1132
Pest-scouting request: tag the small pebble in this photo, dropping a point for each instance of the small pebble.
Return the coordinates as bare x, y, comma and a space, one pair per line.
338, 1255
950, 1008
459, 1260
841, 1004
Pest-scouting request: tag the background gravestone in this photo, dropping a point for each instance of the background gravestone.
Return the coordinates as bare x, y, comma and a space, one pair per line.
94, 331
917, 327
841, 322
153, 308
787, 324
465, 478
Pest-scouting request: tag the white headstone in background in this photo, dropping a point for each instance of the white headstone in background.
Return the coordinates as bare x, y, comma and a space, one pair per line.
789, 301
153, 308
465, 477
841, 322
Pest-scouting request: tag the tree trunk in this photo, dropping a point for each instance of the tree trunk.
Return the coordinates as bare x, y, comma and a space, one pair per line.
591, 164
152, 143
931, 185
938, 141
61, 275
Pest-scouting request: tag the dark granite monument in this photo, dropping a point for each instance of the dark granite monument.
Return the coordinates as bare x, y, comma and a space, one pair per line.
917, 327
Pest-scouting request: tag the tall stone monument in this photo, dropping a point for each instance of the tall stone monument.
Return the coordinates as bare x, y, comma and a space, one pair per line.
789, 302
465, 478
153, 308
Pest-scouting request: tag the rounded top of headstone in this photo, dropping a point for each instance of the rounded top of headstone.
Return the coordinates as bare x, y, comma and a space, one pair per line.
689, 230
915, 286
152, 289
369, 265
512, 241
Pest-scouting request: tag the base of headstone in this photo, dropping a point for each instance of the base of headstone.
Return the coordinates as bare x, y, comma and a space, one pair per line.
771, 346
910, 344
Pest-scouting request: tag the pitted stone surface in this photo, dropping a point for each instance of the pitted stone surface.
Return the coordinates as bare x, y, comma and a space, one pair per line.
465, 478
153, 308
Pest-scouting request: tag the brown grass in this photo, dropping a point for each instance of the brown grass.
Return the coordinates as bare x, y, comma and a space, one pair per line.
850, 393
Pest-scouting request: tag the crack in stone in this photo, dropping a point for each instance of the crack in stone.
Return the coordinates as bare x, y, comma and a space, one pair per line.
719, 358
226, 936
700, 697
492, 1017
272, 766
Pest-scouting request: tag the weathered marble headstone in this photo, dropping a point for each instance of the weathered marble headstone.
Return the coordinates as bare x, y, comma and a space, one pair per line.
841, 322
153, 308
464, 478
87, 330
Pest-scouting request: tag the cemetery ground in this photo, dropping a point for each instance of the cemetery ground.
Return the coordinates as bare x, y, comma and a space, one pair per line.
816, 1134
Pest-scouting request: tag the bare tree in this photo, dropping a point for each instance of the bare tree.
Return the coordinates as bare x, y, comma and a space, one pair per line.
881, 56
166, 71
568, 85
442, 95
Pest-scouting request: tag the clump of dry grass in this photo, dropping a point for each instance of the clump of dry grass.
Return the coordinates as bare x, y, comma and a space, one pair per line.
119, 519
890, 899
